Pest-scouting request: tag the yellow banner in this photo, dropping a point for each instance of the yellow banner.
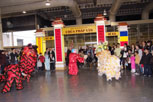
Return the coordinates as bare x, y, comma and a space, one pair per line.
79, 30
49, 38
39, 44
124, 38
112, 33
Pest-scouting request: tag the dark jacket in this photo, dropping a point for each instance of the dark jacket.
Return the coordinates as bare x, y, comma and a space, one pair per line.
51, 52
124, 51
89, 59
152, 48
146, 59
13, 57
151, 60
67, 57
2, 59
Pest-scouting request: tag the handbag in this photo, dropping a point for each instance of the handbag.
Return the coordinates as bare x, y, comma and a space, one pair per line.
39, 64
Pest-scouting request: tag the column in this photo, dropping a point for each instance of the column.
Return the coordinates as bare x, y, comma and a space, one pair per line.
100, 28
12, 39
79, 20
123, 30
1, 33
59, 44
40, 41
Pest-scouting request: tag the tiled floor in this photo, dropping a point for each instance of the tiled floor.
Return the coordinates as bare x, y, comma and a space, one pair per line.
86, 87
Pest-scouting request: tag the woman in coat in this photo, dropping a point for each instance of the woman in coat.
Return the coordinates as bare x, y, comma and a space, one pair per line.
47, 61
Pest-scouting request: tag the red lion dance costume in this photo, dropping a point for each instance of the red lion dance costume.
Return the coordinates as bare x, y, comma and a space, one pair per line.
73, 58
15, 72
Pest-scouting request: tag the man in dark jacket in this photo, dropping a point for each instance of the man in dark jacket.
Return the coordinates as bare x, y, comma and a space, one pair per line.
2, 61
151, 60
146, 62
149, 44
13, 57
67, 56
89, 60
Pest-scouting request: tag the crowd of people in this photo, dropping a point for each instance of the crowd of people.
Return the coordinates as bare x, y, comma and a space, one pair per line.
46, 62
8, 57
138, 58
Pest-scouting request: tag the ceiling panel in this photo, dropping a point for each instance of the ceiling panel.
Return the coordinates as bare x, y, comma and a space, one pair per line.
4, 3
104, 1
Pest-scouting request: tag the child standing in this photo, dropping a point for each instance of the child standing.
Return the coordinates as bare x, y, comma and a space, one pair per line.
137, 61
132, 63
41, 58
128, 63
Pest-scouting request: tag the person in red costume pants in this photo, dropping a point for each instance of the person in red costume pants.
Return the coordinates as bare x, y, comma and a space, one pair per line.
12, 73
15, 72
28, 61
73, 58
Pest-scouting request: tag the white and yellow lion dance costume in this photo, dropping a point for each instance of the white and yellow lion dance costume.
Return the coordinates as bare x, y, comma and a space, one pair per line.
107, 64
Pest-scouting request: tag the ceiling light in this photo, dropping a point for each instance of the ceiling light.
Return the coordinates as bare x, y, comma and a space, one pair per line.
104, 13
24, 12
65, 16
47, 3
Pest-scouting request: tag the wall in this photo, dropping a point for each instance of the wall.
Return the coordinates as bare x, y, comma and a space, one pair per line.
7, 39
27, 36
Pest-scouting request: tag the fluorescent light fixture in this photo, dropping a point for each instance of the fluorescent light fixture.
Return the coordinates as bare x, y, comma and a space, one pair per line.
90, 43
24, 12
47, 3
104, 13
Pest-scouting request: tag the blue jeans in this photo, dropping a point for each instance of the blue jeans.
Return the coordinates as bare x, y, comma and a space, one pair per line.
2, 69
16, 62
141, 69
147, 69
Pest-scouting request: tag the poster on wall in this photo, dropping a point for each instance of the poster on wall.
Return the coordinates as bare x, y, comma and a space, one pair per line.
58, 45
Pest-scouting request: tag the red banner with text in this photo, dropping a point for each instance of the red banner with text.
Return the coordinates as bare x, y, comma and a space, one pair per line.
101, 33
58, 44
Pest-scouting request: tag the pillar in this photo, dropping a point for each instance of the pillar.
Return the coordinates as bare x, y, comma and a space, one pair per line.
78, 20
12, 39
59, 44
40, 41
1, 33
123, 32
100, 28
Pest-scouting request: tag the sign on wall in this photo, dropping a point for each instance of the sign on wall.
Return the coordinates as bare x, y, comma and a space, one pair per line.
49, 38
79, 30
112, 33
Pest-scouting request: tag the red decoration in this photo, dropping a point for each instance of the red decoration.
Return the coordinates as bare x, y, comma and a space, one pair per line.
58, 45
101, 33
100, 17
123, 42
39, 30
57, 21
123, 24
